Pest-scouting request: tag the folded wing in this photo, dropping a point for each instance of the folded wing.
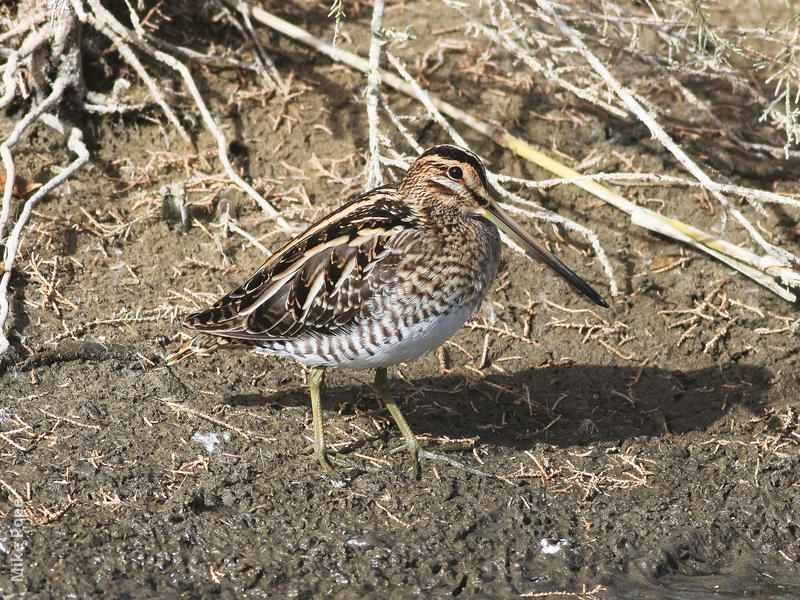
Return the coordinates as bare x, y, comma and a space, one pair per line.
323, 280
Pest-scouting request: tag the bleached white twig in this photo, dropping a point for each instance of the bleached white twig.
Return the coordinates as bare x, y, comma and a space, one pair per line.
59, 86
266, 65
426, 100
32, 42
23, 26
76, 145
658, 179
542, 213
113, 108
501, 37
398, 162
107, 23
788, 275
374, 176
400, 127
130, 57
8, 79
234, 226
213, 128
758, 267
547, 215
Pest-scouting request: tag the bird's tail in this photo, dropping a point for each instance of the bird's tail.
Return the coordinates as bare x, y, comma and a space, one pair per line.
199, 344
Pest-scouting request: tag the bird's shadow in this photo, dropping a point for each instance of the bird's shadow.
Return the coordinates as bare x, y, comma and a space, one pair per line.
563, 405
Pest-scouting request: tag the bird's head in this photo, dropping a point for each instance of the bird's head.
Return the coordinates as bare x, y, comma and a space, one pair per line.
448, 178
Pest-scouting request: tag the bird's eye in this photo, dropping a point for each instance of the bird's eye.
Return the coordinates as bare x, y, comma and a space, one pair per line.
455, 172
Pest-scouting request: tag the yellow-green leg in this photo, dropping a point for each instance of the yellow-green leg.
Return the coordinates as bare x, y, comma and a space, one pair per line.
382, 387
412, 445
316, 378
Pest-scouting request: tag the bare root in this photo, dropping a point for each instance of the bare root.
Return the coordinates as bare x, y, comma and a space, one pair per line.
43, 70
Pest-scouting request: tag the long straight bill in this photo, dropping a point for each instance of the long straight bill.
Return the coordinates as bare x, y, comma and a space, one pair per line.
500, 218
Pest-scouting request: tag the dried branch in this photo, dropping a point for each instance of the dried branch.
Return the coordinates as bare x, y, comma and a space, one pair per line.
760, 268
76, 145
105, 22
374, 176
786, 259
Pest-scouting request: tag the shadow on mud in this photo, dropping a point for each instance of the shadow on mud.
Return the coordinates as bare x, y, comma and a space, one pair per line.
562, 405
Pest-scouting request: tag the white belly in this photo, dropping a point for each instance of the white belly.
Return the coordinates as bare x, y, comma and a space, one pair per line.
417, 339
403, 344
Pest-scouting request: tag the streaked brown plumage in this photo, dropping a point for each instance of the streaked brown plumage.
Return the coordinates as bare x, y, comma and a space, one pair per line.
383, 279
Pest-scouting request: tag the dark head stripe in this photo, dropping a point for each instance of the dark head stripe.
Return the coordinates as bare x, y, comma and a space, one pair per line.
459, 154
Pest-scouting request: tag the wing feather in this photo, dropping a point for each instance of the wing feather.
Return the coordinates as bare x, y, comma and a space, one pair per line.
322, 280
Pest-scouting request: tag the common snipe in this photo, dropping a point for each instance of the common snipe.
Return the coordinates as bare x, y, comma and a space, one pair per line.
383, 279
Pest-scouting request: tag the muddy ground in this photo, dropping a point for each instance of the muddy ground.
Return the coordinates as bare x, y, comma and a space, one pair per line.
636, 457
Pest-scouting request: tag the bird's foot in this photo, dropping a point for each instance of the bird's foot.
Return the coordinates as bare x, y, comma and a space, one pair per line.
426, 454
331, 465
417, 452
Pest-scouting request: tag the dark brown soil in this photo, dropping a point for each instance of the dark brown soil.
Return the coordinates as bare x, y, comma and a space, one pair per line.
627, 456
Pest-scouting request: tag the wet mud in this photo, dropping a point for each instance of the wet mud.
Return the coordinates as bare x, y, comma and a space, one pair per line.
640, 452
